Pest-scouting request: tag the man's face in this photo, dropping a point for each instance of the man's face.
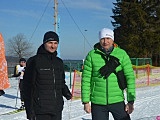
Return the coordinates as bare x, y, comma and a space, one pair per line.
106, 43
51, 46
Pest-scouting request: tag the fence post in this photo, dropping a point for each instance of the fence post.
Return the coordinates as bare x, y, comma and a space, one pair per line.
70, 71
74, 80
148, 72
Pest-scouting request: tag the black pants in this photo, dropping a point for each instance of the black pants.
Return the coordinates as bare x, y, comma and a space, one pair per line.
101, 112
21, 89
2, 92
58, 116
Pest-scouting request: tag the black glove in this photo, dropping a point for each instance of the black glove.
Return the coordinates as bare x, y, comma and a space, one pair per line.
68, 96
109, 67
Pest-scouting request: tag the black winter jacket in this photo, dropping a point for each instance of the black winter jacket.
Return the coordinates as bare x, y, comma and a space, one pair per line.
44, 84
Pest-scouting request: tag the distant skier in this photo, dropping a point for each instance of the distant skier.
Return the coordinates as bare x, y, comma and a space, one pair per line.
19, 72
4, 82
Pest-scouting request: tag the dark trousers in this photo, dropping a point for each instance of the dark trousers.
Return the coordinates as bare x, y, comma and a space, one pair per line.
58, 116
21, 89
2, 92
101, 112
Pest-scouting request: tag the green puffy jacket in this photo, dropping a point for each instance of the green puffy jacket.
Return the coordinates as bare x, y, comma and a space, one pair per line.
103, 91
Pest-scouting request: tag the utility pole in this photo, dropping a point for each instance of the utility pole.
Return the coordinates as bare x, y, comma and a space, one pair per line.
55, 15
56, 23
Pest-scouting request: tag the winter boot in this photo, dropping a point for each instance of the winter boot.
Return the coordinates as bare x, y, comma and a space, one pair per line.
2, 92
22, 106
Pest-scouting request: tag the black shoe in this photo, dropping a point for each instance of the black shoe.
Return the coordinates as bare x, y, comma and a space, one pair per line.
22, 107
2, 92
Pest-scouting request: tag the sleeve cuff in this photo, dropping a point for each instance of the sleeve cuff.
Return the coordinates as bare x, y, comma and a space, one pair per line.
131, 102
84, 103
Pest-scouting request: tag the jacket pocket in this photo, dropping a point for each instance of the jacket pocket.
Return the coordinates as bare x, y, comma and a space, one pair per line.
93, 89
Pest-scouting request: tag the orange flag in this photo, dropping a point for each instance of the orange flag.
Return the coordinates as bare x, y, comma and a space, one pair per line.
4, 81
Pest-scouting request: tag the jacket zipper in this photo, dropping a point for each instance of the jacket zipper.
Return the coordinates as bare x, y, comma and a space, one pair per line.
54, 81
107, 85
107, 90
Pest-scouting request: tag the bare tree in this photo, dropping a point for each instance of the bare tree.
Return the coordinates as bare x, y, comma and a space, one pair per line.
19, 47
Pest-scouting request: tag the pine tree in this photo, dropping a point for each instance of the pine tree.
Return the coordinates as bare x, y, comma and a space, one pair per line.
136, 26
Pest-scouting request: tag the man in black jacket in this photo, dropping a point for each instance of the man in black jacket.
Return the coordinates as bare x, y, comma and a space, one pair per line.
44, 82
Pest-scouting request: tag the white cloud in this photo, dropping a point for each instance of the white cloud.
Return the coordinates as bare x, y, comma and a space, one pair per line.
87, 4
99, 9
29, 13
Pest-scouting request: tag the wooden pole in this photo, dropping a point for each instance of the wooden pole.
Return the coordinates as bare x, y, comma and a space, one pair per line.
55, 15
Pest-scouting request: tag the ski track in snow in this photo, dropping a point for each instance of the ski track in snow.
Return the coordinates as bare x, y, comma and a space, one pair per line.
147, 105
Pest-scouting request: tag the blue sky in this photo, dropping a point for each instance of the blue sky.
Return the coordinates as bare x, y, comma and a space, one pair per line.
23, 16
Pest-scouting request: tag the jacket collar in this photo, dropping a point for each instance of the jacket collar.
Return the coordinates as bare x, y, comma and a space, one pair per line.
98, 47
42, 50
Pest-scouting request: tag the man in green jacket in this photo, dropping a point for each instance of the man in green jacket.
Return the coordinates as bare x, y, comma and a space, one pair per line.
102, 85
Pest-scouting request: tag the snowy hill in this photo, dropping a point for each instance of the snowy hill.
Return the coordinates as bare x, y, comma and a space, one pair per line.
147, 105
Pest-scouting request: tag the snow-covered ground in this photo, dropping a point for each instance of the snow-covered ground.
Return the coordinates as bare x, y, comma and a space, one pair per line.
147, 105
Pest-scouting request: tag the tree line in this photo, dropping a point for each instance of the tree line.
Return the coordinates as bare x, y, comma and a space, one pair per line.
137, 27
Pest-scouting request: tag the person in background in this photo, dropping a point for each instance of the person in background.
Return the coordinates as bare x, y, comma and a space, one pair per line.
107, 74
4, 81
44, 82
19, 73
